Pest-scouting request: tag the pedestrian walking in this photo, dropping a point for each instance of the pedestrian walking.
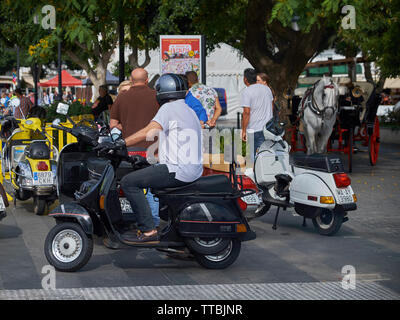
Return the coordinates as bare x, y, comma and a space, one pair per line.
256, 100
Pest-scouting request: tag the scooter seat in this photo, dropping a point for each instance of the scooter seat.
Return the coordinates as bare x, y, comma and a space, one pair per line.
216, 185
320, 162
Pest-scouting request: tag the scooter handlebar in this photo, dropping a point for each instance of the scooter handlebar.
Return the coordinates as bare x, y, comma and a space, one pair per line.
61, 128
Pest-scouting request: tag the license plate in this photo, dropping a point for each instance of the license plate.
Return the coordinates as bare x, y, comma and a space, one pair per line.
251, 199
41, 178
345, 195
125, 205
2, 205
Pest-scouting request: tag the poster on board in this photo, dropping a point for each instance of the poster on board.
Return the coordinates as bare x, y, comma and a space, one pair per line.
180, 54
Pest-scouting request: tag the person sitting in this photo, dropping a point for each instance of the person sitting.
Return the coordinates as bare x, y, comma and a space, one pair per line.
175, 168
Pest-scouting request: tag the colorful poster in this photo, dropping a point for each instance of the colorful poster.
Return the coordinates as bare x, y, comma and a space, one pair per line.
180, 54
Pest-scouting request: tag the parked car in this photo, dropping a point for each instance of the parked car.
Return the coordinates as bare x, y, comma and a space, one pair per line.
222, 100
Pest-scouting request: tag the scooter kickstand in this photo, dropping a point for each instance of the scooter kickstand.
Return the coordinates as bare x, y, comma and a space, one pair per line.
304, 222
276, 219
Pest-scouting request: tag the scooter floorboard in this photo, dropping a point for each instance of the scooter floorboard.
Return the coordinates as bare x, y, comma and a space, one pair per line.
154, 244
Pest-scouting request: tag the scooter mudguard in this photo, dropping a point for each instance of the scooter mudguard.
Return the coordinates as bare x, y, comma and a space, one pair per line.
208, 219
307, 188
74, 212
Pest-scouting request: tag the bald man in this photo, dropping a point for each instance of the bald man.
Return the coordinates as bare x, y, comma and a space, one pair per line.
135, 108
132, 111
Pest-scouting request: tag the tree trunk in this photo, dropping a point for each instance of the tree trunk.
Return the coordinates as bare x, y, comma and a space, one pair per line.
134, 58
367, 72
97, 76
285, 55
352, 70
380, 84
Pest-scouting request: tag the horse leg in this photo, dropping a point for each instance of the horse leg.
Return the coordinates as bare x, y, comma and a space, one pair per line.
325, 135
323, 140
310, 136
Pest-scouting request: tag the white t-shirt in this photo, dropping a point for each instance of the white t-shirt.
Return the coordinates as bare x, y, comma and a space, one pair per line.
258, 98
14, 103
180, 142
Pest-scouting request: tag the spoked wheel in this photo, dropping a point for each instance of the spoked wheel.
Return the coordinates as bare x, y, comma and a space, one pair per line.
328, 222
67, 247
39, 206
373, 144
222, 259
207, 245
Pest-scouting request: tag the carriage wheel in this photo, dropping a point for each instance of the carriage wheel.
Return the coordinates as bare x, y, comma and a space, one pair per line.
374, 142
350, 148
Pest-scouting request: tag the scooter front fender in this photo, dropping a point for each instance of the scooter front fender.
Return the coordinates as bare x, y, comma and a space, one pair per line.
307, 188
74, 212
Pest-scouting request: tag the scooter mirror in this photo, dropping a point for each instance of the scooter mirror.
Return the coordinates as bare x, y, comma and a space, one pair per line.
62, 108
56, 122
115, 134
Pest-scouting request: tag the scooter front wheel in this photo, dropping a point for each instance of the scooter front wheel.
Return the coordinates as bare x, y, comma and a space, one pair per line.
222, 259
328, 222
67, 247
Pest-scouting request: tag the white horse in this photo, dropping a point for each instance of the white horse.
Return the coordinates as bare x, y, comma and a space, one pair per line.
318, 110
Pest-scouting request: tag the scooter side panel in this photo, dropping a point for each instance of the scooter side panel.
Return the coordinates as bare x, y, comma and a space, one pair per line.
307, 188
206, 218
269, 163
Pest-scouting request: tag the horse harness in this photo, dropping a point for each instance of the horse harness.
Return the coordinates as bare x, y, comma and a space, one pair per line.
309, 102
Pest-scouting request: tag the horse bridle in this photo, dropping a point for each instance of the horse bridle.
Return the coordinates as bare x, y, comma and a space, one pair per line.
312, 104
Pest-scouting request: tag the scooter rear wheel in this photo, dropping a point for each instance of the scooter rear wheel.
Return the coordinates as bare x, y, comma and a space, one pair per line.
222, 259
207, 245
67, 247
328, 222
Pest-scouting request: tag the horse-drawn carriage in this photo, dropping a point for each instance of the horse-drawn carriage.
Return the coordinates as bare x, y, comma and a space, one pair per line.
349, 117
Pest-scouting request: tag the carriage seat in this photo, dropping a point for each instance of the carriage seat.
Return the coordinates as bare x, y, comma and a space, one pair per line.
320, 162
218, 184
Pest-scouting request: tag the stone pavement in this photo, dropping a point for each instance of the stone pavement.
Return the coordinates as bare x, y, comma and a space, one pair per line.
291, 262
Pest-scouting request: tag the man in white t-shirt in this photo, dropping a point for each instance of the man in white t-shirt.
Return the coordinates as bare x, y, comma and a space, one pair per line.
179, 152
256, 100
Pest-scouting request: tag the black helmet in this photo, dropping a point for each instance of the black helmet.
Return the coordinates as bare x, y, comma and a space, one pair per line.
169, 87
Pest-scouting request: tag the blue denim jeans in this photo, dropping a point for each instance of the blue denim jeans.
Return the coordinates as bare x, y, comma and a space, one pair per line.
258, 140
154, 206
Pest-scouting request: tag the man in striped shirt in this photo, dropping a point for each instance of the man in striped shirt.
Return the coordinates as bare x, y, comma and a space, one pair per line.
25, 104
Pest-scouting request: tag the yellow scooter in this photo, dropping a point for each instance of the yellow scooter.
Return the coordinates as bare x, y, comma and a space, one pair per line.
28, 162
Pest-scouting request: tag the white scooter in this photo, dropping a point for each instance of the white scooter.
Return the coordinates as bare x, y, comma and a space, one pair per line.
315, 185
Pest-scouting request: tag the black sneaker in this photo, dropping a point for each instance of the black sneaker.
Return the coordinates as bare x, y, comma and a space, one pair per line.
112, 243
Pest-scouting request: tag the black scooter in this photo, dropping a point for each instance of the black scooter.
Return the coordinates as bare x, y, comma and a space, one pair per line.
203, 216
